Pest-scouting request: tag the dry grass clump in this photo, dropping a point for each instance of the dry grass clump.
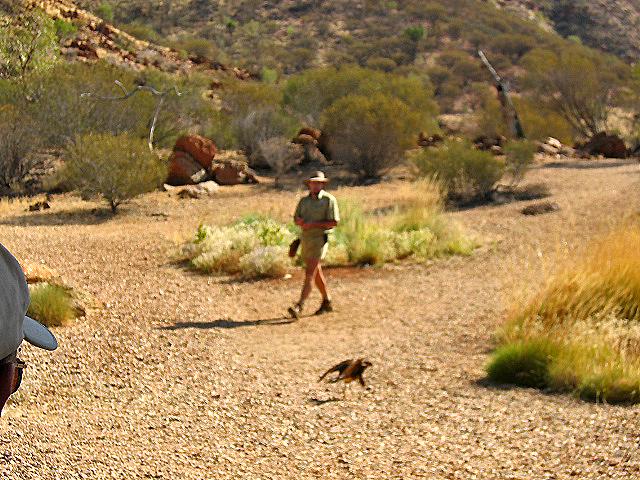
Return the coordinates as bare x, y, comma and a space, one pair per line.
415, 227
582, 332
253, 247
51, 305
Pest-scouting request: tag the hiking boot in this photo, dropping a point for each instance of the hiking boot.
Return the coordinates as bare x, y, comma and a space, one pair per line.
295, 311
325, 307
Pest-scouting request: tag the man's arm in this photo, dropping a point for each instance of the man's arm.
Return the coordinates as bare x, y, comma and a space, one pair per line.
326, 225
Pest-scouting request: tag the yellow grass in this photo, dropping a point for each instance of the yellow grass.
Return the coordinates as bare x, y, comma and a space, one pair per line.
588, 316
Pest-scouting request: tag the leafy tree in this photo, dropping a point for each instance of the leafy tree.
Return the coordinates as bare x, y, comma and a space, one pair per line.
28, 45
578, 84
370, 133
313, 91
116, 168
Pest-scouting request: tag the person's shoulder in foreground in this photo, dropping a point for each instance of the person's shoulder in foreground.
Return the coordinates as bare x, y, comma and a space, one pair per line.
15, 326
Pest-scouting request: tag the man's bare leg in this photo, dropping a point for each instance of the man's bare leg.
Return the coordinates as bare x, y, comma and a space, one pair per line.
309, 275
321, 283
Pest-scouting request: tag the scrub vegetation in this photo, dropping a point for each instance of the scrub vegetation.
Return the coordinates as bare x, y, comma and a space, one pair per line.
256, 246
581, 333
51, 305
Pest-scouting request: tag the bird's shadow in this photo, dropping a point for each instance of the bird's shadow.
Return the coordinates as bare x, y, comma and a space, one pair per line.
319, 402
227, 323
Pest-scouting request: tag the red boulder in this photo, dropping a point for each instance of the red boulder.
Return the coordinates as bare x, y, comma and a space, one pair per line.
184, 170
609, 146
201, 149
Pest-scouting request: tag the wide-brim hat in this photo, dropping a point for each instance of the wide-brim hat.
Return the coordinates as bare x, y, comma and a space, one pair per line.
15, 325
318, 177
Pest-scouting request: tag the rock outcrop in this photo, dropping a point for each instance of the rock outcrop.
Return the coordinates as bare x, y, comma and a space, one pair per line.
609, 146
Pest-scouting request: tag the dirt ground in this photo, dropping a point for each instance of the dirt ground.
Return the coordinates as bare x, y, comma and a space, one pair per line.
186, 376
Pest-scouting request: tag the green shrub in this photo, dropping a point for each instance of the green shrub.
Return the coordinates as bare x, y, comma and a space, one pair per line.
64, 29
415, 34
370, 134
268, 75
199, 47
117, 168
51, 305
539, 122
381, 63
524, 364
514, 46
520, 156
105, 11
28, 45
314, 91
465, 172
577, 84
141, 31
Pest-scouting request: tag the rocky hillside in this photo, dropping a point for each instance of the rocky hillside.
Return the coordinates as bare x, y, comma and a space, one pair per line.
610, 25
95, 39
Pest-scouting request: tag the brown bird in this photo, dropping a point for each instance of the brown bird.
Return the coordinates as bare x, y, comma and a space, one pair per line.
349, 370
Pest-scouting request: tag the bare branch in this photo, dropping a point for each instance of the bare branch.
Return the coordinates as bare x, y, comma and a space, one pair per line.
161, 95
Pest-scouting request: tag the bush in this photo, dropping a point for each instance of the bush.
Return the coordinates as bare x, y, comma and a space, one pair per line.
415, 34
231, 249
105, 11
381, 63
118, 168
141, 31
51, 305
64, 29
260, 125
28, 45
520, 156
18, 140
62, 114
281, 155
582, 327
465, 172
539, 122
523, 364
415, 228
265, 262
314, 91
577, 84
199, 47
370, 133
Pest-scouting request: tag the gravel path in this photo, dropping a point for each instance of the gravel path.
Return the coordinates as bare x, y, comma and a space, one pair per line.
185, 376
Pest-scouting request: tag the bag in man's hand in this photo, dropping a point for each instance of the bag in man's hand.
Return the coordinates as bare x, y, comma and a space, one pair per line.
293, 248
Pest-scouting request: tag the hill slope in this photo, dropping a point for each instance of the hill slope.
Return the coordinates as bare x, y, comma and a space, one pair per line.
610, 25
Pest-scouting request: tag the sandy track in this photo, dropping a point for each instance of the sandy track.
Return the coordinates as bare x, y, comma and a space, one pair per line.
181, 378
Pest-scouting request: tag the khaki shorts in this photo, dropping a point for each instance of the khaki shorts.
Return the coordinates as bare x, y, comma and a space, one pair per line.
314, 248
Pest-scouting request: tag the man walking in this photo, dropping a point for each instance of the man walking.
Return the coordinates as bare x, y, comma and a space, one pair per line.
15, 326
317, 215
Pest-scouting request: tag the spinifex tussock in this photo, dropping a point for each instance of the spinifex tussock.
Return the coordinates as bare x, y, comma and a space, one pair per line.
585, 325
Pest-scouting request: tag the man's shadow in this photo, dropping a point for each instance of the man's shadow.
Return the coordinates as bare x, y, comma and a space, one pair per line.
228, 323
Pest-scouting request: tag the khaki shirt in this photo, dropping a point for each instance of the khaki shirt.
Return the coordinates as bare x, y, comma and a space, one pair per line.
324, 208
